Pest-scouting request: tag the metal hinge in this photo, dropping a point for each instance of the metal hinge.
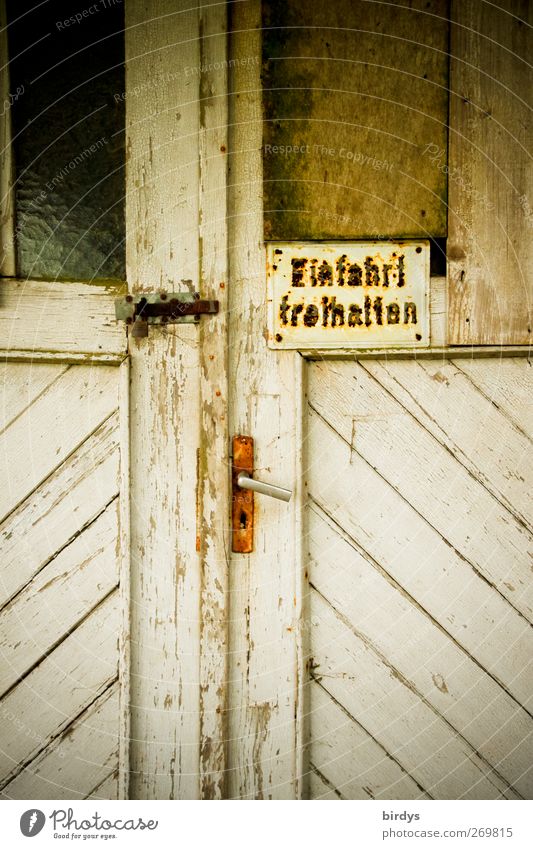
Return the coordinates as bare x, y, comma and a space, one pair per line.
162, 308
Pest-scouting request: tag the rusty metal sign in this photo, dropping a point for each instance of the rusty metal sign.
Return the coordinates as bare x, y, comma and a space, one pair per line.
348, 294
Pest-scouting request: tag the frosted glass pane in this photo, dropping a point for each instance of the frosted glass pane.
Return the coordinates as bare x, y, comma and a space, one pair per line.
68, 136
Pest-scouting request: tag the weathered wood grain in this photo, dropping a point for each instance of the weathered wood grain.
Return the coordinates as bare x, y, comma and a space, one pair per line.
66, 682
418, 559
51, 428
78, 760
109, 788
438, 313
319, 788
122, 778
490, 249
361, 90
213, 481
63, 318
57, 510
20, 385
443, 399
7, 214
162, 217
506, 383
415, 463
445, 676
80, 577
266, 659
383, 703
350, 759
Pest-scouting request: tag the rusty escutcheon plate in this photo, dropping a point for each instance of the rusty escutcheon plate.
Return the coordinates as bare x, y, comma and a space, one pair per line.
242, 500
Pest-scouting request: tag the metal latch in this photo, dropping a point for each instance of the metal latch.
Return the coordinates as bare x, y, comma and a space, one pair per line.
162, 308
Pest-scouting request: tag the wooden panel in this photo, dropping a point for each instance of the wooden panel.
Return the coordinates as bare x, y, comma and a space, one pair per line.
490, 248
506, 383
162, 42
59, 420
319, 788
350, 760
266, 658
78, 760
21, 384
423, 655
405, 462
443, 399
59, 597
66, 682
66, 319
415, 735
213, 483
424, 473
7, 230
57, 510
109, 788
360, 90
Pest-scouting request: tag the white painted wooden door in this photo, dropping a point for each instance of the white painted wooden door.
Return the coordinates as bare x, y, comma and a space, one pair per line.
375, 643
380, 633
419, 604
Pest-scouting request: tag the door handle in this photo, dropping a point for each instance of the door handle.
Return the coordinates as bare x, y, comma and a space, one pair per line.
246, 482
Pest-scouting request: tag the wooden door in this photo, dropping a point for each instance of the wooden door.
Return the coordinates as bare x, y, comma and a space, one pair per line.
349, 653
380, 632
418, 529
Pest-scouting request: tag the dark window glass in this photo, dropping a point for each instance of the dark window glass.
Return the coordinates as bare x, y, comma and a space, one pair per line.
67, 67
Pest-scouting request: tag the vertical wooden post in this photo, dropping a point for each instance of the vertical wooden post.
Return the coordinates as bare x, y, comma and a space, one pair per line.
213, 467
266, 657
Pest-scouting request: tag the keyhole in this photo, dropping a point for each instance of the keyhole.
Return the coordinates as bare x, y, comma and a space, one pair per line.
242, 520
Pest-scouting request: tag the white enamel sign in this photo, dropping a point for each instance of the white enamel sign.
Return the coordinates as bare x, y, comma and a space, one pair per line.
348, 294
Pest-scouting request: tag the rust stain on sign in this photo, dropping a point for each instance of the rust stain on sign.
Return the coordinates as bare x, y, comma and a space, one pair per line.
348, 295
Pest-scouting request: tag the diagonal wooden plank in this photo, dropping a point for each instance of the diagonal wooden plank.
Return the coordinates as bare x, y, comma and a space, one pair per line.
59, 597
418, 738
350, 759
319, 788
59, 508
506, 383
52, 428
59, 688
21, 384
376, 427
413, 553
445, 676
106, 789
454, 411
78, 760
